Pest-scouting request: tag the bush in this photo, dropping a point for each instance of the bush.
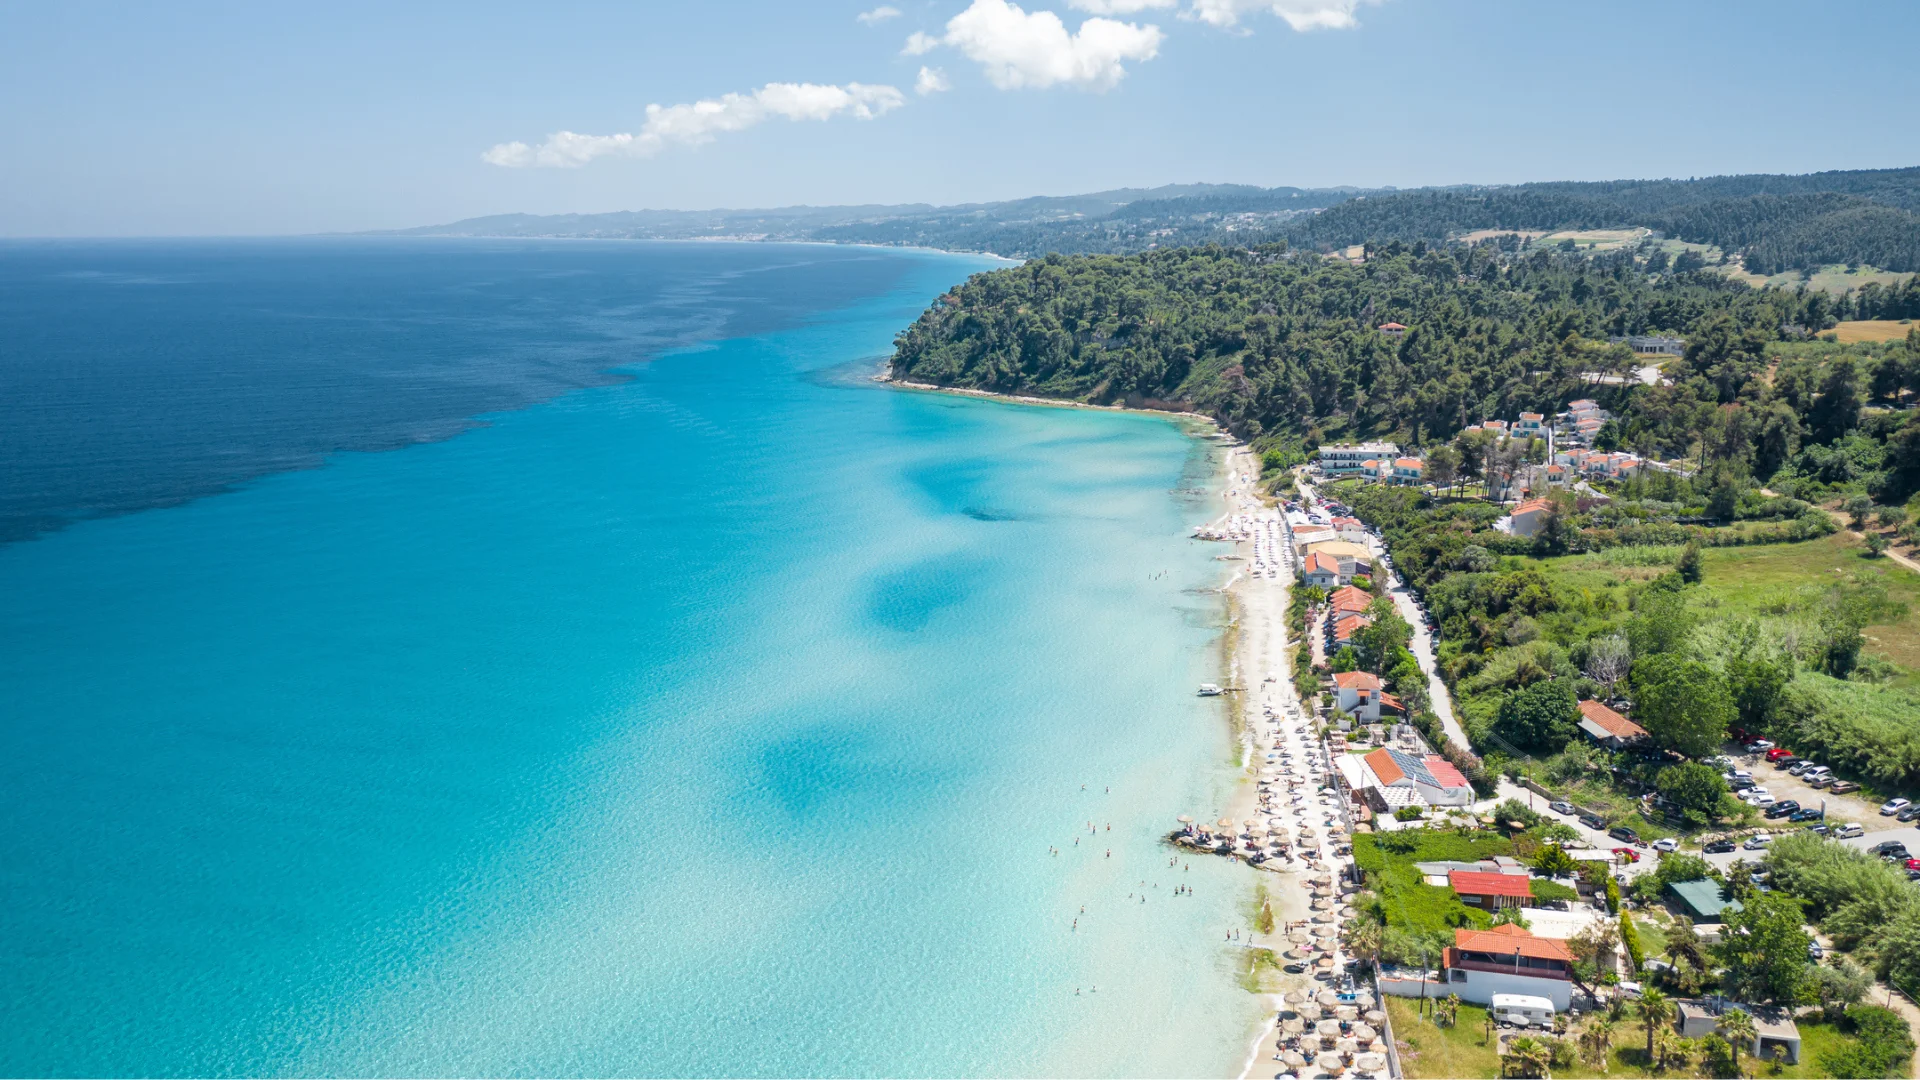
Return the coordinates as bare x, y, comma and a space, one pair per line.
1409, 813
1630, 940
1883, 1045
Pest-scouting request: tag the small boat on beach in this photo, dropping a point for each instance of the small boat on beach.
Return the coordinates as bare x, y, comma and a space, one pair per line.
1208, 689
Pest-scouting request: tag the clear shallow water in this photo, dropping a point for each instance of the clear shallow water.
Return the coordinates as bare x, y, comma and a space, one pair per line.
712, 722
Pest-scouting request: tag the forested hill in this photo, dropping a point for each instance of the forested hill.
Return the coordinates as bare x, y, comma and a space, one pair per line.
1773, 222
1284, 347
1776, 222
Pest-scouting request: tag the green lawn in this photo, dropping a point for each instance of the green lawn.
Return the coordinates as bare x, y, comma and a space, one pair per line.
1462, 1051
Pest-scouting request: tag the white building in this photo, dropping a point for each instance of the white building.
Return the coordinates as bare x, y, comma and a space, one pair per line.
1508, 960
1348, 457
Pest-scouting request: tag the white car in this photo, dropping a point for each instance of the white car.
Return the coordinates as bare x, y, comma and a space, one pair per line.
1757, 841
1666, 843
1894, 806
1850, 830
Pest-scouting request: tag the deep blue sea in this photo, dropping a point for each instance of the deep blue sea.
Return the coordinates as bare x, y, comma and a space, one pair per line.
472, 658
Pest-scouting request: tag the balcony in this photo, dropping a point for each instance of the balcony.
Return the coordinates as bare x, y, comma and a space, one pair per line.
1505, 967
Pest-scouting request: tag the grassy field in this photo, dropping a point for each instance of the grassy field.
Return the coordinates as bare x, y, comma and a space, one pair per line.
1769, 579
1871, 330
1833, 279
1428, 1050
1780, 579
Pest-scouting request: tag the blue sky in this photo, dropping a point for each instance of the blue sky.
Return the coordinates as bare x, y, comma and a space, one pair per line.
190, 118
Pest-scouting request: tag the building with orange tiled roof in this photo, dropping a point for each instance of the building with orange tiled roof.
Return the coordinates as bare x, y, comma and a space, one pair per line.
1321, 570
1529, 516
1508, 959
1608, 728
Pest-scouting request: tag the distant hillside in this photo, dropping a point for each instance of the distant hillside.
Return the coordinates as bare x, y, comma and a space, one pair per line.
1774, 223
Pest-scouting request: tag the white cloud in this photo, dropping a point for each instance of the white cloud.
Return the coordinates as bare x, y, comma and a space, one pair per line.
1017, 49
701, 121
1302, 15
879, 14
1120, 7
931, 81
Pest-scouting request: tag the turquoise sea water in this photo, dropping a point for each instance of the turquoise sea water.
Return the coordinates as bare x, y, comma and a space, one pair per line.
718, 721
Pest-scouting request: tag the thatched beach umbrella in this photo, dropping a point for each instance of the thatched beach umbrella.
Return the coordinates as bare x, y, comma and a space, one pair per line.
1225, 823
1375, 1016
1327, 1029
1329, 1063
1365, 1033
1292, 1059
1347, 1013
1324, 931
1370, 1062
1293, 1025
1186, 819
1327, 998
1347, 1046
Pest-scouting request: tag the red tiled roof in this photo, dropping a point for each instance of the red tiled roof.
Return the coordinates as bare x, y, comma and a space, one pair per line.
1443, 770
1382, 764
1409, 463
1616, 725
1530, 416
1392, 702
1508, 939
1346, 622
1350, 598
1391, 326
1323, 563
1530, 506
1356, 680
1475, 883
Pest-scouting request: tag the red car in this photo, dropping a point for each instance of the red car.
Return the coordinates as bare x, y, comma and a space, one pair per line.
1630, 854
1778, 752
1913, 864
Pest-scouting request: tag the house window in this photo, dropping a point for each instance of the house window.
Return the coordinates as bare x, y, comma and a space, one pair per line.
1456, 975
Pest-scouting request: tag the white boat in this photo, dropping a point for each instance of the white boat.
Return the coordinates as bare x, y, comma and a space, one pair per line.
1208, 689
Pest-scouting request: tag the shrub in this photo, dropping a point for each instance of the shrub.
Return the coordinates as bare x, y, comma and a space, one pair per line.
1882, 1046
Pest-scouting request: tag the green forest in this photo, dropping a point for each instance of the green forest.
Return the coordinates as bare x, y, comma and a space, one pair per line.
1283, 349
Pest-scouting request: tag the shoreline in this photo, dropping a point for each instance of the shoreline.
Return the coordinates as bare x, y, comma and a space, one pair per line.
1254, 654
886, 379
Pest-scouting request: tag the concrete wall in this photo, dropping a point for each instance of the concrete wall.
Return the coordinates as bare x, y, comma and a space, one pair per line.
1480, 986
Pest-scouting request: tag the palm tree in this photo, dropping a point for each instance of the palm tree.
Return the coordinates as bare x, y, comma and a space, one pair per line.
1446, 1012
1364, 938
1526, 1056
1597, 1041
1655, 1012
1736, 1026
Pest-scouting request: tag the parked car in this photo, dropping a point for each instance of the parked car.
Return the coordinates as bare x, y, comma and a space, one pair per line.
1909, 813
1757, 841
1800, 767
1718, 847
1759, 746
1592, 820
1789, 762
1740, 783
1840, 787
1888, 848
1815, 952
1777, 753
1621, 832
1782, 809
1819, 780
1666, 843
1849, 830
1559, 807
1808, 814
1894, 806
1626, 853
1819, 830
